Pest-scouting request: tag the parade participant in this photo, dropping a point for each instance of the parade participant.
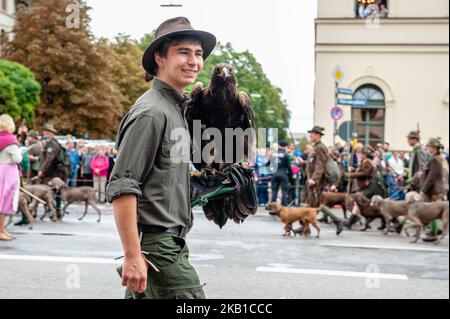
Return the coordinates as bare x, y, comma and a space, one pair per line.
432, 183
432, 179
10, 158
282, 172
417, 161
148, 187
315, 170
55, 162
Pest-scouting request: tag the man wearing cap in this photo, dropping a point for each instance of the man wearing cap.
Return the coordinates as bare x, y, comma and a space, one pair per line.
149, 185
432, 183
316, 169
417, 162
432, 179
52, 165
282, 172
53, 162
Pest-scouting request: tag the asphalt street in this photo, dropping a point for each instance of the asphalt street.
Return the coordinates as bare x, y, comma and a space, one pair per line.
73, 259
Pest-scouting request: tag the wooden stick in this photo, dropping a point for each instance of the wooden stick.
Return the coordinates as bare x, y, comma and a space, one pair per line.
32, 196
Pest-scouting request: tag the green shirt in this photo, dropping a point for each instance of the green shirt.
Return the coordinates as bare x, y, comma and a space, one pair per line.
152, 162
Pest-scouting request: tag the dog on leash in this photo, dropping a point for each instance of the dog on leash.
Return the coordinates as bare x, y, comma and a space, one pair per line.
289, 215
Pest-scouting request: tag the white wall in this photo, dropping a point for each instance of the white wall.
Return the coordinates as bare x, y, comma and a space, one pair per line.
397, 8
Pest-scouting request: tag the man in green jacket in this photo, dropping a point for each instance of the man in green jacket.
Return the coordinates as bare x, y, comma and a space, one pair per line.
149, 185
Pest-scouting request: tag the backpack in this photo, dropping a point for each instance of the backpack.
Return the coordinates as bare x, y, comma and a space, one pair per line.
63, 158
332, 174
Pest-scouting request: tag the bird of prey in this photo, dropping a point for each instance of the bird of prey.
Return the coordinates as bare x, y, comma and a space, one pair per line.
217, 111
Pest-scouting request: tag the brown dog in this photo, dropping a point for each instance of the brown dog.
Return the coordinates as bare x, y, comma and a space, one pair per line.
331, 199
289, 215
75, 194
369, 212
421, 214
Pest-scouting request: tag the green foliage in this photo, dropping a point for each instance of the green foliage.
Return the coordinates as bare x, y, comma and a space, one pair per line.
268, 107
78, 94
19, 91
145, 41
127, 73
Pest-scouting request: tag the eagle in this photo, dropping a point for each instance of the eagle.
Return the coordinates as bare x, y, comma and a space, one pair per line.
222, 108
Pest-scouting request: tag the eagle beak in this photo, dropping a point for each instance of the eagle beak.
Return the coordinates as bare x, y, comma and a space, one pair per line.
225, 73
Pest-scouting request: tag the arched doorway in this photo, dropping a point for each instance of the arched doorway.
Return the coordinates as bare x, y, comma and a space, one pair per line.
369, 120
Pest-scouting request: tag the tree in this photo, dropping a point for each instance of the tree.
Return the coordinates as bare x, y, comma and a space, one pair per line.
78, 94
128, 74
19, 91
145, 41
269, 108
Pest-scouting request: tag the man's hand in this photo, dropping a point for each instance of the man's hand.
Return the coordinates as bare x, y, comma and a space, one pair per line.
311, 183
134, 274
40, 173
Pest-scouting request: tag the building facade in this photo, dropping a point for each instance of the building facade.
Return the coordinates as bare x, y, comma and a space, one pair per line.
7, 15
398, 62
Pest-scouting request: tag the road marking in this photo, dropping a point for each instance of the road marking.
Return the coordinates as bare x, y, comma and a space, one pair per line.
72, 260
56, 233
334, 273
388, 247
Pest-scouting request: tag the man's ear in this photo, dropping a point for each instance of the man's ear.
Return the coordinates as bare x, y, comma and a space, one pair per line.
159, 60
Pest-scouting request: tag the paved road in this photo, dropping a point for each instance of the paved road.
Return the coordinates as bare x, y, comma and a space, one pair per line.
73, 259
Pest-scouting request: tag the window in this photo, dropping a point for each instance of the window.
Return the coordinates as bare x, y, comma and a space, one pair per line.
367, 8
369, 120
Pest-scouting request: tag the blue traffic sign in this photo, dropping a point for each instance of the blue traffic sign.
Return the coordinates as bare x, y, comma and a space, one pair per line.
337, 113
344, 91
351, 102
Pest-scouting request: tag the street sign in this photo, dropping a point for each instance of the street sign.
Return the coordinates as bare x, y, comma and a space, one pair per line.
344, 91
346, 130
337, 113
351, 102
338, 74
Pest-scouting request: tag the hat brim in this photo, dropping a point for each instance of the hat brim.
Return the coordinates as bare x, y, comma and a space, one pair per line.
207, 39
316, 132
50, 130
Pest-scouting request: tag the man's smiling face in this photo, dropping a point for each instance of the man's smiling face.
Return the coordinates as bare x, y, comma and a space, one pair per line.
181, 66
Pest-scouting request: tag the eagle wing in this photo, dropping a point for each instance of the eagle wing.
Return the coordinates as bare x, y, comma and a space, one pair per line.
246, 106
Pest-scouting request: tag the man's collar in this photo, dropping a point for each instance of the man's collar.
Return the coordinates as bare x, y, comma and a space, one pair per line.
318, 142
169, 92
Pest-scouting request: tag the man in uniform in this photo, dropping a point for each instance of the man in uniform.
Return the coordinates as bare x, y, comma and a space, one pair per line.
53, 162
282, 172
432, 185
149, 186
417, 162
316, 169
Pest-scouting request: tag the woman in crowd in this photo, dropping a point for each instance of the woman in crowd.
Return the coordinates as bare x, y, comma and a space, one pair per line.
99, 166
10, 158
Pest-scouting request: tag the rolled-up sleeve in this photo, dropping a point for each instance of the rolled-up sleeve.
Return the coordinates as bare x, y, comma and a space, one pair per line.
138, 144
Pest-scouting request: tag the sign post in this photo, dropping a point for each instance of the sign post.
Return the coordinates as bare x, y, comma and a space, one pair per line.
338, 76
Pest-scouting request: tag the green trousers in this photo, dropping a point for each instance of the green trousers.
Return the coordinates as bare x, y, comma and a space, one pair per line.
177, 278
